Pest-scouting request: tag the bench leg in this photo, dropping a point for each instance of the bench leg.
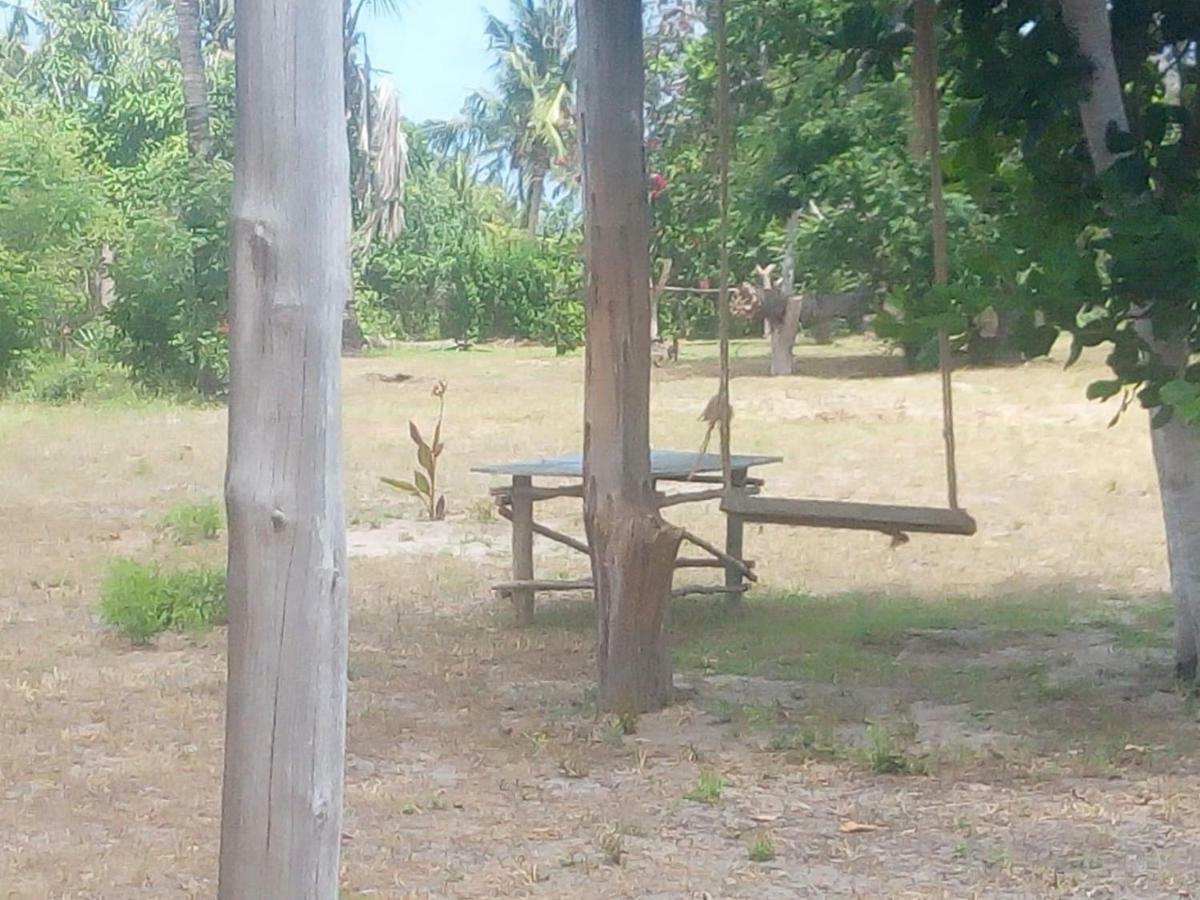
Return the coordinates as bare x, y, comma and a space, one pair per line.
734, 533
522, 549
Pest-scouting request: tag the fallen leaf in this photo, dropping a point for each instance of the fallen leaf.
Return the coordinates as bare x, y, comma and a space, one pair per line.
764, 817
852, 827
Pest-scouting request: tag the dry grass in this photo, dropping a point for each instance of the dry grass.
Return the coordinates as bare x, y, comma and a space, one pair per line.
1013, 667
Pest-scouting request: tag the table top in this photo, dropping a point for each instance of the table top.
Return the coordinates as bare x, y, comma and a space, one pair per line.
663, 464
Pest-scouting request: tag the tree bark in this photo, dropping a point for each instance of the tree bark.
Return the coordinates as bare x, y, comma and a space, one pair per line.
195, 87
537, 189
1176, 445
633, 549
287, 578
782, 331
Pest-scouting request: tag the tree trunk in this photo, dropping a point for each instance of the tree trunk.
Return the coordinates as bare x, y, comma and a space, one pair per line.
289, 282
1176, 445
195, 87
537, 188
633, 550
782, 333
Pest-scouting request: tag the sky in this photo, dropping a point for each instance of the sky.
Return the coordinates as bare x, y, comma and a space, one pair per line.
435, 53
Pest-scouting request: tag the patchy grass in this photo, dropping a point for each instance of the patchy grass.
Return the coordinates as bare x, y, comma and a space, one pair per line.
141, 601
763, 848
709, 785
194, 522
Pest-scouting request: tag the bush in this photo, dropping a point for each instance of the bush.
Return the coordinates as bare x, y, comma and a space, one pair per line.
142, 600
191, 523
172, 277
58, 380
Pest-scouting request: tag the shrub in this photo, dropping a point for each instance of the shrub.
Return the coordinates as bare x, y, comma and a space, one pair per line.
57, 380
142, 600
191, 523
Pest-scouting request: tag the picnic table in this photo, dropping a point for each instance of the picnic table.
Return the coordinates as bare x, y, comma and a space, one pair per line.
515, 502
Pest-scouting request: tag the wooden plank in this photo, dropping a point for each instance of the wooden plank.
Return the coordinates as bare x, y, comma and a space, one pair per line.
734, 533
696, 496
507, 492
696, 563
663, 464
547, 532
889, 519
720, 554
585, 584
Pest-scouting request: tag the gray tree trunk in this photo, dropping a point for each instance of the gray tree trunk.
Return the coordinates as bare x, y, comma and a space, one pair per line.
537, 189
633, 549
1176, 445
195, 87
782, 332
287, 580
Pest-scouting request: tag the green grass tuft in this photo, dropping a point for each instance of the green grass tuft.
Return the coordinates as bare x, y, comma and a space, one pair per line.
193, 523
709, 786
141, 600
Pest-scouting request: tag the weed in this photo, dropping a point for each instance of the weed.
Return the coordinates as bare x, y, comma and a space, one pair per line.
709, 786
885, 759
483, 511
424, 483
612, 845
192, 523
142, 600
763, 848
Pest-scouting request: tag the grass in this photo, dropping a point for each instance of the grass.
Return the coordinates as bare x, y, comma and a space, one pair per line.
709, 785
194, 522
141, 600
763, 848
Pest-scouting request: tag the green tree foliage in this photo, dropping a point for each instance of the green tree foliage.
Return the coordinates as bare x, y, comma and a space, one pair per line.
464, 269
51, 211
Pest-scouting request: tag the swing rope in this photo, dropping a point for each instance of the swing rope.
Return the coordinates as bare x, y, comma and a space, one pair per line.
926, 141
724, 141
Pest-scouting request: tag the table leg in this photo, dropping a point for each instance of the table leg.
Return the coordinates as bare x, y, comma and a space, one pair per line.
734, 529
522, 548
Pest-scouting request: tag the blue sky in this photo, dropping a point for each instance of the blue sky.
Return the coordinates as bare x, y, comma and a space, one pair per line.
435, 53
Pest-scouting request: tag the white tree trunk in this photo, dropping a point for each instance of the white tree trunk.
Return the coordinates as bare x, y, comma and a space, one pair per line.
782, 332
782, 335
633, 549
195, 86
1177, 445
289, 282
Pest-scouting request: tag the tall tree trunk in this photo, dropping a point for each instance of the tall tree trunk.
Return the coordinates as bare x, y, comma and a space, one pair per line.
195, 87
537, 190
1177, 445
287, 579
633, 549
782, 331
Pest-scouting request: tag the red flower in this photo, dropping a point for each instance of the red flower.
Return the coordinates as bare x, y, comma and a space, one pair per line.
658, 184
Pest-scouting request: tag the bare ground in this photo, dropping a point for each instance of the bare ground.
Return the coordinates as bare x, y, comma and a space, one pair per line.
1053, 757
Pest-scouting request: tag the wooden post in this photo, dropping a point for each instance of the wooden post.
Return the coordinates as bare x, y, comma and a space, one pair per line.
734, 532
522, 548
633, 549
285, 721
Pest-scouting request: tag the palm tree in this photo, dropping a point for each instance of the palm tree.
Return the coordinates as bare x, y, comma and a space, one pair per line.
195, 88
525, 128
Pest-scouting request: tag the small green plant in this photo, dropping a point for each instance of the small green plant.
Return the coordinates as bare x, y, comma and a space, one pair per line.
885, 759
192, 523
763, 848
709, 786
142, 600
68, 380
424, 483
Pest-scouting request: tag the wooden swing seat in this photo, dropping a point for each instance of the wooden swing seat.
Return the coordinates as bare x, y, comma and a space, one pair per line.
885, 518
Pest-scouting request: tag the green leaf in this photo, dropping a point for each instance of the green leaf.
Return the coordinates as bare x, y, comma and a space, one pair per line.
425, 457
399, 485
439, 511
1179, 393
1076, 352
1118, 141
1102, 390
422, 483
415, 433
